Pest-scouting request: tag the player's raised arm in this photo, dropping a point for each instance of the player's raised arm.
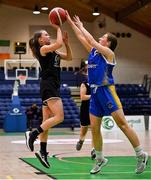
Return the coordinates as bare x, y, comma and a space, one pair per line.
106, 51
68, 54
53, 46
78, 33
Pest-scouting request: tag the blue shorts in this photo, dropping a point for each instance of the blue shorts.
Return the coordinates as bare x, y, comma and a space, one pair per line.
104, 101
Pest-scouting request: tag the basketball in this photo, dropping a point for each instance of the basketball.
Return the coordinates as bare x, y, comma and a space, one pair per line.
57, 16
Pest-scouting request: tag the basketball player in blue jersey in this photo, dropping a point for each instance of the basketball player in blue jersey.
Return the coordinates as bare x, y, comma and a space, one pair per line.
104, 100
49, 58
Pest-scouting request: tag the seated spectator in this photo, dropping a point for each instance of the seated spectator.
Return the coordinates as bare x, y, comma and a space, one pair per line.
33, 113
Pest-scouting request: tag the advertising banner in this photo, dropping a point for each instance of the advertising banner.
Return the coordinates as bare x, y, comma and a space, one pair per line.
136, 122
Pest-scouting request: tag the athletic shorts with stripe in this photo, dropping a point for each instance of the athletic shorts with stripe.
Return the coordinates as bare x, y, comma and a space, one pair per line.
49, 90
104, 100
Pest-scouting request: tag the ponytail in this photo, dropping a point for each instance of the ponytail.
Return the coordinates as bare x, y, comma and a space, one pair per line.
112, 38
31, 45
34, 44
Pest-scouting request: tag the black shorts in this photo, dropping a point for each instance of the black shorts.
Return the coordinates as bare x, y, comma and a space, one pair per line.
49, 89
84, 116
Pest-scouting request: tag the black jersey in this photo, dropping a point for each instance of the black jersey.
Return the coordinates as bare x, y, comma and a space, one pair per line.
50, 66
88, 92
50, 76
84, 108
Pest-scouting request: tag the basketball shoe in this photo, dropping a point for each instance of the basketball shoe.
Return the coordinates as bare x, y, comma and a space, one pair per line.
79, 145
141, 163
98, 166
42, 157
30, 138
93, 155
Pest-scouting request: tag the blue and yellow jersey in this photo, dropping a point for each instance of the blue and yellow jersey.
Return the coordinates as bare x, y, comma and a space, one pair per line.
99, 69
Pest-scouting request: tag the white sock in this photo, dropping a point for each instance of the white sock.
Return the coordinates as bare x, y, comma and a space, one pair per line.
138, 150
99, 155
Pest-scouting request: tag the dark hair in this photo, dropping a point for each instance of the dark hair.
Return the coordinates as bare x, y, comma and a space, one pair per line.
112, 38
34, 44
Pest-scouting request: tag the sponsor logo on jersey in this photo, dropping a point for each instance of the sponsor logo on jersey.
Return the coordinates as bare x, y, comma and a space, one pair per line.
57, 61
96, 52
92, 65
109, 105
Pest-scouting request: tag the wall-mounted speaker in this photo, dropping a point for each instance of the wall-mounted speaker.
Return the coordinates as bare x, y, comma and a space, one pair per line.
122, 34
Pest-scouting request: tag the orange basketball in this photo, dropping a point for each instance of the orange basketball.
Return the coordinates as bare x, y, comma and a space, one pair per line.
57, 16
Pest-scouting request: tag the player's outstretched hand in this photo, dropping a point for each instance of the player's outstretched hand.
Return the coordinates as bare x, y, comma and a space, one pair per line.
77, 21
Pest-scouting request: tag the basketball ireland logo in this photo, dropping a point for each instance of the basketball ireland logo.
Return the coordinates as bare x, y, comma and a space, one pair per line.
107, 123
16, 110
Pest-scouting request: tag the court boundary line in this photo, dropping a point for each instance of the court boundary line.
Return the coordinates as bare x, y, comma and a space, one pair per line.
38, 169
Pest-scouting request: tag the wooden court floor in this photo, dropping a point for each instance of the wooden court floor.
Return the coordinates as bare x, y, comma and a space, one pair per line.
61, 141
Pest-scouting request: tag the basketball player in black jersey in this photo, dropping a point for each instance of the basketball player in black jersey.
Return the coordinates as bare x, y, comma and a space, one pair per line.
49, 59
85, 92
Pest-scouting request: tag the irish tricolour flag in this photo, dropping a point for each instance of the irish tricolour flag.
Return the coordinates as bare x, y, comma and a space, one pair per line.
4, 49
